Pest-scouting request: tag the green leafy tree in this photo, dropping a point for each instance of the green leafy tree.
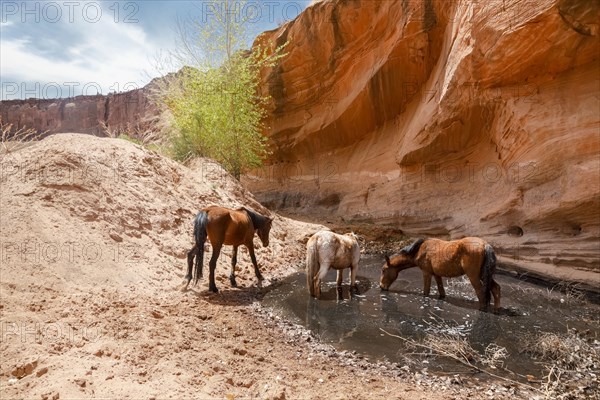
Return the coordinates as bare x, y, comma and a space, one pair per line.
214, 100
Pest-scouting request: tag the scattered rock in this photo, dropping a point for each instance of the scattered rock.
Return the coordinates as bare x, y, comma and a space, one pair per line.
241, 352
24, 370
116, 237
51, 396
280, 396
80, 382
41, 372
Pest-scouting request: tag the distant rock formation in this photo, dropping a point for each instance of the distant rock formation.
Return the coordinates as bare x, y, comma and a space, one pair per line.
82, 114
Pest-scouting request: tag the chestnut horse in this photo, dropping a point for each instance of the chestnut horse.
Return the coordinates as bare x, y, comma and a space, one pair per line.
325, 250
438, 258
229, 227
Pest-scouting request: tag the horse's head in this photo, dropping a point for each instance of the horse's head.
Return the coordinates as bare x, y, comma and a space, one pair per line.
263, 231
391, 268
404, 259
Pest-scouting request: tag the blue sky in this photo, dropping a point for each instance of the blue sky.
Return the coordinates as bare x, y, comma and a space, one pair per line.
61, 48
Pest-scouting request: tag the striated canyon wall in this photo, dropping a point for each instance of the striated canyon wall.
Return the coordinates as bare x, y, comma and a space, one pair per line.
126, 111
444, 118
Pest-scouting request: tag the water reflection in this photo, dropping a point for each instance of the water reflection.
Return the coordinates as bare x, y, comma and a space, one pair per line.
332, 330
355, 322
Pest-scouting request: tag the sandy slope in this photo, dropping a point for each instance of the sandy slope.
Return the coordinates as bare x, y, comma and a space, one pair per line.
94, 234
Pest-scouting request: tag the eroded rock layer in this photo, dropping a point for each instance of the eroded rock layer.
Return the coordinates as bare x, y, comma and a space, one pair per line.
444, 118
128, 112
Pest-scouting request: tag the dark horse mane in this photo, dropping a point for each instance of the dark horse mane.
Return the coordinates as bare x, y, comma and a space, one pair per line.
412, 249
257, 220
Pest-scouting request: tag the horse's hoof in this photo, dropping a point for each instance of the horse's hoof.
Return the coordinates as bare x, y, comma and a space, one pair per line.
441, 297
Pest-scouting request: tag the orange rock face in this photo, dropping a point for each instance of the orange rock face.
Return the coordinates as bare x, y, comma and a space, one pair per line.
125, 111
445, 118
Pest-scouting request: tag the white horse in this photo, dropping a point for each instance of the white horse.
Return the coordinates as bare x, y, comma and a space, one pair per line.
326, 250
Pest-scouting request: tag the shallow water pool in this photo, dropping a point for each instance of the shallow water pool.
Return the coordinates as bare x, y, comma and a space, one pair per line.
355, 323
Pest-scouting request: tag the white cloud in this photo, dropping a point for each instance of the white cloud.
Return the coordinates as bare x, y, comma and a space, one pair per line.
112, 56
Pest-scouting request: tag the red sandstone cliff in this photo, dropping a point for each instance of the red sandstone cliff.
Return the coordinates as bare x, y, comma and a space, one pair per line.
125, 111
445, 118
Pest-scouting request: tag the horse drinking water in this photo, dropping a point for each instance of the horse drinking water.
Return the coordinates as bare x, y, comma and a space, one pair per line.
325, 250
438, 258
229, 227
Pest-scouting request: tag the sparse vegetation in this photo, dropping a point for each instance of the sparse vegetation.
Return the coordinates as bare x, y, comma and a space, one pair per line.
149, 135
15, 138
214, 99
564, 292
445, 341
572, 363
571, 360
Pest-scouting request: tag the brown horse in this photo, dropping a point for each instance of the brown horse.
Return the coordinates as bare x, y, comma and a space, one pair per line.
438, 258
229, 227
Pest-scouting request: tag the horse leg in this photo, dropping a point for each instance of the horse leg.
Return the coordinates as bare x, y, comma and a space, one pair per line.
253, 258
426, 283
320, 276
440, 286
199, 261
190, 258
478, 291
496, 293
340, 278
233, 262
353, 284
212, 265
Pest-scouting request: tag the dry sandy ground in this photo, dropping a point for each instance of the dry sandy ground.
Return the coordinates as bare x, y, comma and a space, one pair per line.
94, 234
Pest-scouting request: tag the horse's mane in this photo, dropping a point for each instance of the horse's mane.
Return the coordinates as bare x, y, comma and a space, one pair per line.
257, 220
412, 249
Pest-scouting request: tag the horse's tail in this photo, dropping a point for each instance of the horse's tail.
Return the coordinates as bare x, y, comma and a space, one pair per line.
312, 265
200, 235
200, 227
487, 273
